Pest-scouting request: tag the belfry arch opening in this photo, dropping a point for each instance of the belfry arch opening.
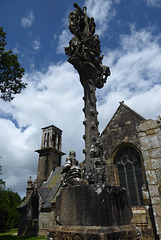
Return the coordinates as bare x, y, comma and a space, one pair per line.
128, 163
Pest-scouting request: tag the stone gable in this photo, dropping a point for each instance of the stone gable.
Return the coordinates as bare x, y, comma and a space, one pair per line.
120, 130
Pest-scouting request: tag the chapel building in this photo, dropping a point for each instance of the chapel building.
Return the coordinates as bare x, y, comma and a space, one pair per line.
132, 150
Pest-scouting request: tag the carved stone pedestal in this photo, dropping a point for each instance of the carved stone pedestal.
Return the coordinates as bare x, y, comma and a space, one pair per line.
81, 205
127, 232
86, 215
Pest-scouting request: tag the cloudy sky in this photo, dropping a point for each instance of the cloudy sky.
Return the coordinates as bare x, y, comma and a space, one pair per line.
130, 34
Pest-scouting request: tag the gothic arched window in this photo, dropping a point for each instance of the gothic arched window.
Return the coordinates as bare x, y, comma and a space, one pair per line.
128, 162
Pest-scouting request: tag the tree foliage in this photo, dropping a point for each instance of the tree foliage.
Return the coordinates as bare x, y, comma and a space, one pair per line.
11, 72
2, 183
9, 215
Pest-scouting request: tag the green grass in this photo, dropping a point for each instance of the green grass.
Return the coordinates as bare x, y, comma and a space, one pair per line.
12, 235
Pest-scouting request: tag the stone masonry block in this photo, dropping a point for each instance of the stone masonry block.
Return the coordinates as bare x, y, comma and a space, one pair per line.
156, 200
151, 131
155, 153
148, 165
154, 142
157, 210
156, 163
154, 192
145, 143
158, 174
159, 136
151, 177
157, 130
143, 148
149, 124
146, 155
150, 142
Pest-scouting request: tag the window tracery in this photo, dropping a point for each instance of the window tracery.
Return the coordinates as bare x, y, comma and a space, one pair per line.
128, 163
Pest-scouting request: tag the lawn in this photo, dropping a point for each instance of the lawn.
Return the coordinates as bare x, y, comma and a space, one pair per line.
12, 235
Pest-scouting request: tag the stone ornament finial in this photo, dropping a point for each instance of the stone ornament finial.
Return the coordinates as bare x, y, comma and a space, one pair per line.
29, 183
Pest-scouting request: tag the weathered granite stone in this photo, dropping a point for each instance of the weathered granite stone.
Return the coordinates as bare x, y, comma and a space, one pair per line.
82, 206
127, 232
152, 151
84, 54
155, 153
147, 125
151, 176
93, 203
117, 133
156, 163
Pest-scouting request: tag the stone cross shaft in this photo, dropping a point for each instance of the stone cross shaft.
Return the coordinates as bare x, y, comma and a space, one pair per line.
84, 54
94, 163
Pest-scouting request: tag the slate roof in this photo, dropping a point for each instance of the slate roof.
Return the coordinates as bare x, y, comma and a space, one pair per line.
24, 203
49, 189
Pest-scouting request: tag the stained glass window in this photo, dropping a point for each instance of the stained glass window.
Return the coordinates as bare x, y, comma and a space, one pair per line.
128, 162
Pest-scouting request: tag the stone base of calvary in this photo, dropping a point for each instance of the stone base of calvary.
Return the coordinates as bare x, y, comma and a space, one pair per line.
86, 207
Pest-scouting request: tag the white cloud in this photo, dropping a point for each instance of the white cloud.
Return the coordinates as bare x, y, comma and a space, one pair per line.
55, 37
16, 49
102, 12
36, 45
64, 39
55, 97
136, 76
154, 3
28, 20
15, 148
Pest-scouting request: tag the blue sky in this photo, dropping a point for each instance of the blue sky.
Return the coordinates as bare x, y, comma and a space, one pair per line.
130, 34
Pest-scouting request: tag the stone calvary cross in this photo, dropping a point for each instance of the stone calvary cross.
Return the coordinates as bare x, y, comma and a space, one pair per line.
84, 54
88, 208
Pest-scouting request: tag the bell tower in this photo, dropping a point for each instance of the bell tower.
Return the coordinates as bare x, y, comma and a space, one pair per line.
50, 153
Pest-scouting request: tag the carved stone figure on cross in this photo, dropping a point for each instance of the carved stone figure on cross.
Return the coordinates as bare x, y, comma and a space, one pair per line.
84, 47
71, 170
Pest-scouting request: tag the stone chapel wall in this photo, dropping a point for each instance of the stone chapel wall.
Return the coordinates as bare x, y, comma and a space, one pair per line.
149, 134
121, 131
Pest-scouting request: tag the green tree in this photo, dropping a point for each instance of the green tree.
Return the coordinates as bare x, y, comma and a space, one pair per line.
11, 72
2, 183
9, 215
